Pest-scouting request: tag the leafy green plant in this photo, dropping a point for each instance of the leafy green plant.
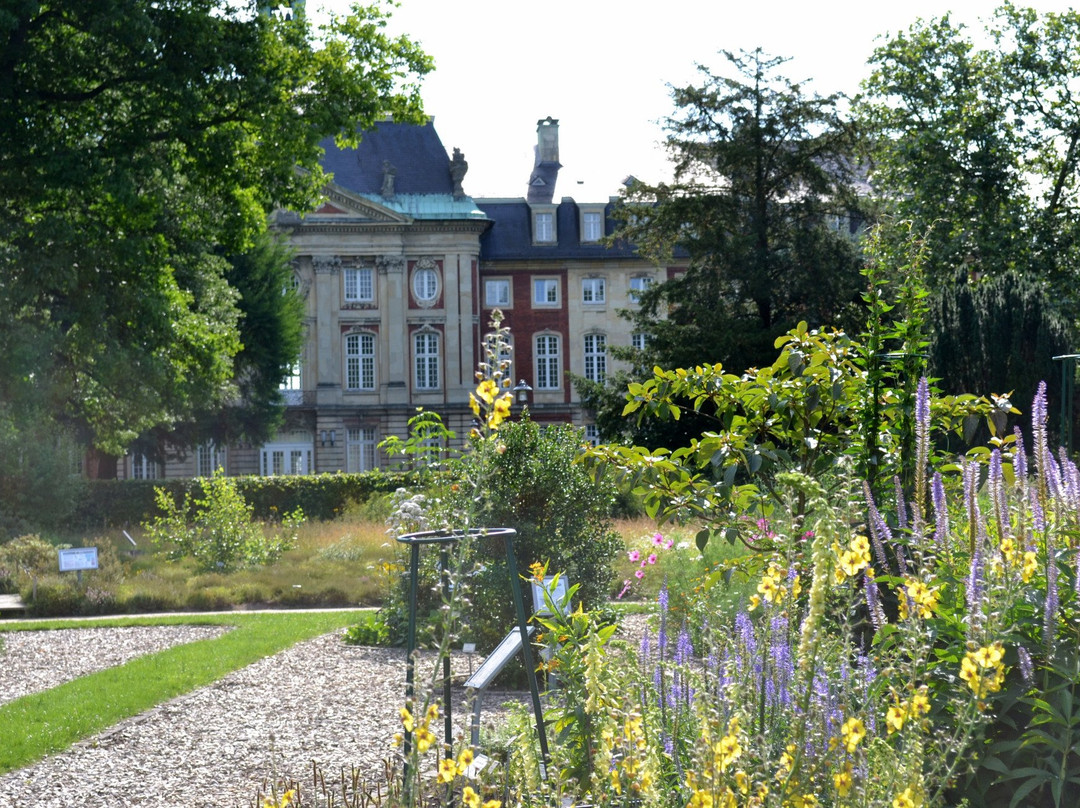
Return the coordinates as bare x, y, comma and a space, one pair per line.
218, 530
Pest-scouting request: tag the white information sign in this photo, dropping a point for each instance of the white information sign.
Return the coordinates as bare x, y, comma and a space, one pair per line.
557, 592
78, 558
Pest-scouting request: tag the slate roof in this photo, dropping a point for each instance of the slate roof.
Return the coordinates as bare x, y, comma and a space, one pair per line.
423, 188
510, 237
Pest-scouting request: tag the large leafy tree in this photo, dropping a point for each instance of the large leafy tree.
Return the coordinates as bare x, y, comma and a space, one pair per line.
759, 212
978, 146
141, 144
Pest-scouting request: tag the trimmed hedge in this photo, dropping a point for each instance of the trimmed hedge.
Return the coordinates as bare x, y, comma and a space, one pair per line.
115, 503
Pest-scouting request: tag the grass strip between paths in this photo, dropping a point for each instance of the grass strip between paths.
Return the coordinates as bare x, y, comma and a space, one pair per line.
48, 722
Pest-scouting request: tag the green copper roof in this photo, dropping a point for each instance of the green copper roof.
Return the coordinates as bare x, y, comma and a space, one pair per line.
430, 206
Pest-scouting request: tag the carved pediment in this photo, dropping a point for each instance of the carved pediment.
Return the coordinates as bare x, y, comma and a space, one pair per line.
343, 203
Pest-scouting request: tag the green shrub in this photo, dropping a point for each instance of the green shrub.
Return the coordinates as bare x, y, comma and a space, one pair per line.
321, 496
53, 597
209, 599
372, 631
561, 515
218, 530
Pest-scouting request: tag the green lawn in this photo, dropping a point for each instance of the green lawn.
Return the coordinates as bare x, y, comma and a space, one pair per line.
44, 723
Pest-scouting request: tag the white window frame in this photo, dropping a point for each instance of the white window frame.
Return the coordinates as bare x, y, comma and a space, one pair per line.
292, 386
497, 293
592, 434
425, 284
594, 291
547, 352
360, 443
284, 459
360, 361
595, 355
592, 225
638, 340
426, 365
546, 292
544, 227
639, 284
142, 468
359, 285
209, 458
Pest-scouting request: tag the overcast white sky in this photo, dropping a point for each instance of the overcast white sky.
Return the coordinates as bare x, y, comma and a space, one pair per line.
602, 68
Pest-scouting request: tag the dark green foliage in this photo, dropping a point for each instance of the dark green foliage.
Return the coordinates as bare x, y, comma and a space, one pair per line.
140, 144
997, 335
762, 175
1031, 756
37, 487
978, 144
762, 215
561, 515
320, 496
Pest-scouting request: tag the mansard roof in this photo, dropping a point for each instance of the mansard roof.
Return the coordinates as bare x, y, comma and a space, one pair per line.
510, 237
422, 185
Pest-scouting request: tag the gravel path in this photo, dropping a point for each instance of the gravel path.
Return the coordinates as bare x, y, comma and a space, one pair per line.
32, 661
319, 700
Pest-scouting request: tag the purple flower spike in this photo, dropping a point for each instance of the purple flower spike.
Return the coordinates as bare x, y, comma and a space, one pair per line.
941, 511
1027, 668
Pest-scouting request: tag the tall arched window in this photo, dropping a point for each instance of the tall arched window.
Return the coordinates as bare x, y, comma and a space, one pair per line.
426, 360
360, 362
548, 362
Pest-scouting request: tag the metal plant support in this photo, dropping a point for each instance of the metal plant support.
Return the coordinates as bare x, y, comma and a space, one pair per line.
444, 540
1068, 388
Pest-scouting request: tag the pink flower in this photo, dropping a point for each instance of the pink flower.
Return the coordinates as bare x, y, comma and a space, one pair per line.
639, 574
625, 589
652, 558
658, 539
633, 555
668, 543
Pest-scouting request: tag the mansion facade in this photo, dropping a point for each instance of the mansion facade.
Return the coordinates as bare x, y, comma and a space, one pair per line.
400, 271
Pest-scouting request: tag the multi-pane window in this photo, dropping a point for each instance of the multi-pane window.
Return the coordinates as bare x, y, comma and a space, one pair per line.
292, 385
592, 434
497, 292
639, 285
285, 458
593, 290
592, 226
545, 291
426, 360
359, 285
638, 340
544, 227
360, 362
360, 449
425, 284
209, 459
595, 357
548, 365
143, 468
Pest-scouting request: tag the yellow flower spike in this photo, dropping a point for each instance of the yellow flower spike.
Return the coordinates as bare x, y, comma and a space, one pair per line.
432, 713
852, 732
474, 405
895, 717
843, 781
469, 797
424, 739
920, 702
742, 782
407, 719
492, 804
447, 771
487, 390
700, 799
464, 761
